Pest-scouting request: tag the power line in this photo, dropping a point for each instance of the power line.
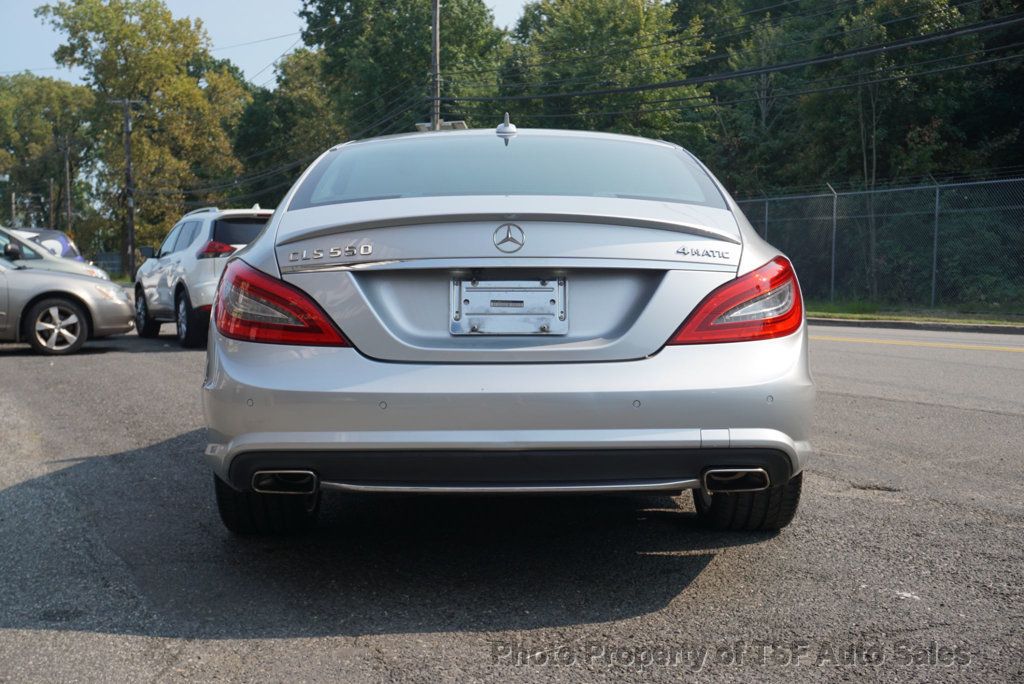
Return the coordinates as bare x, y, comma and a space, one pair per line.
274, 63
360, 108
606, 56
408, 104
30, 69
266, 173
780, 95
255, 42
829, 79
756, 71
704, 61
731, 32
389, 129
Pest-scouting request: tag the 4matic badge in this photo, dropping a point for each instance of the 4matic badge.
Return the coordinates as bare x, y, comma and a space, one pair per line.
701, 252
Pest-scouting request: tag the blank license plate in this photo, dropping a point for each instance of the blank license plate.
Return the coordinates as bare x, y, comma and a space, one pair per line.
509, 307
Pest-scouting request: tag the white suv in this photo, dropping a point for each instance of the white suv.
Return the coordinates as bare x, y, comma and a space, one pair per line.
179, 282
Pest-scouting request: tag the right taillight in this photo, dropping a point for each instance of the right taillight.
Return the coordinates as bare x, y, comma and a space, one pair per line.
256, 307
761, 304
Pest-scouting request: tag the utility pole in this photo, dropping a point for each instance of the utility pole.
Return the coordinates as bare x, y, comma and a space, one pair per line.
67, 186
14, 213
435, 114
52, 224
129, 185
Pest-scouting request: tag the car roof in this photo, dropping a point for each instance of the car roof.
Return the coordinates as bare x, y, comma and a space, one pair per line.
245, 212
522, 132
216, 213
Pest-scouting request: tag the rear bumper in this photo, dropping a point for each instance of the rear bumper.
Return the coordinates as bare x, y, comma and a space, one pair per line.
517, 471
354, 419
202, 294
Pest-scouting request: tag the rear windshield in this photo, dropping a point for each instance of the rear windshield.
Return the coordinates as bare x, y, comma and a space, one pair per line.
440, 165
237, 231
57, 242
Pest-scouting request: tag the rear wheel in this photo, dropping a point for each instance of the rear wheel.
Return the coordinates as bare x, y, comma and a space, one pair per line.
56, 326
192, 326
145, 325
263, 514
769, 509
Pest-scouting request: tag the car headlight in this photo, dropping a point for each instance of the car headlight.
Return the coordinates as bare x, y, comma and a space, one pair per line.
97, 273
114, 293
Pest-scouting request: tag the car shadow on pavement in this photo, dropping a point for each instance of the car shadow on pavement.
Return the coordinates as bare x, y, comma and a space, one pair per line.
130, 543
132, 344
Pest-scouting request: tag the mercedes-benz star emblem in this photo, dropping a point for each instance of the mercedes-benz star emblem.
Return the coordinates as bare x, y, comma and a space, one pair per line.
509, 238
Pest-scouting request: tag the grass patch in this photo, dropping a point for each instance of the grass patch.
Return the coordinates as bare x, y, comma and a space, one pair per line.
868, 311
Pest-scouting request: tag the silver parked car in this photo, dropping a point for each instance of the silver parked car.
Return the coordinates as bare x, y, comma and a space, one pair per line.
537, 311
57, 312
34, 255
179, 282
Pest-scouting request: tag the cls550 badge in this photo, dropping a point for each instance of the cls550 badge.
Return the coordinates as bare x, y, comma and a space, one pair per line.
365, 249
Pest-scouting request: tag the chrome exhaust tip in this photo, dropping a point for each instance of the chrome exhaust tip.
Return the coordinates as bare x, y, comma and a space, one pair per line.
734, 480
285, 482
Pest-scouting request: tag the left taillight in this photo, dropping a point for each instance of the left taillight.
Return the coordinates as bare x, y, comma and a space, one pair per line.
762, 304
255, 307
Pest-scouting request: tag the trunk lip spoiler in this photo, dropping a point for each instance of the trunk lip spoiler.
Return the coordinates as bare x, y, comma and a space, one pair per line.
686, 227
468, 263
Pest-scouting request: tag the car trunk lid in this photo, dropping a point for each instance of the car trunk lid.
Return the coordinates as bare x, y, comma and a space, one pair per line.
500, 279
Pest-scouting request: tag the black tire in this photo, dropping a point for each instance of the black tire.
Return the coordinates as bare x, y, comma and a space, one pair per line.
192, 326
250, 513
770, 509
56, 326
145, 325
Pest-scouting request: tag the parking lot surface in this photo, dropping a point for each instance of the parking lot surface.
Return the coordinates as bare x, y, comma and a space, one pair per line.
904, 561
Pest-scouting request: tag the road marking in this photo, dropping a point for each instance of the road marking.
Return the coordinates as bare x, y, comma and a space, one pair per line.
909, 343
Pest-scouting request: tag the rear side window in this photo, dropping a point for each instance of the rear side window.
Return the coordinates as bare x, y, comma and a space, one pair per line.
238, 231
168, 245
187, 235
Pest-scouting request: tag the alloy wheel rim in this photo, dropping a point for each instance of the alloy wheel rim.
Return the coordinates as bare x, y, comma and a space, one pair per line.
57, 328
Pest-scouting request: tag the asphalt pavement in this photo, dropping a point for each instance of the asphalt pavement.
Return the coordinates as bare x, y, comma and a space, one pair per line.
904, 562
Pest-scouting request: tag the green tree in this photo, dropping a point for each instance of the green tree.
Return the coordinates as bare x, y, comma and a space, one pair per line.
282, 129
566, 46
137, 50
750, 137
885, 123
378, 55
39, 118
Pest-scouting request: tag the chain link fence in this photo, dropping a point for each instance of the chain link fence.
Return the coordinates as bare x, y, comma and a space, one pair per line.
947, 246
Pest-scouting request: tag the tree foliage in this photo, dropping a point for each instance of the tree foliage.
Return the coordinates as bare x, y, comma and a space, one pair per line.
378, 54
204, 135
39, 118
185, 104
297, 121
566, 46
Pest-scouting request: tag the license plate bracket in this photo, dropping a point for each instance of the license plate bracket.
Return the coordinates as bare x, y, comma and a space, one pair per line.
535, 306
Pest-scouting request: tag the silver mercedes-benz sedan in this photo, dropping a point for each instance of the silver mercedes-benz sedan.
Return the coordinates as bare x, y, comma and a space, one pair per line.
532, 311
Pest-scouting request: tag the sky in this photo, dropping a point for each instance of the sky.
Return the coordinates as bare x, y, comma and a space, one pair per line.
27, 43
